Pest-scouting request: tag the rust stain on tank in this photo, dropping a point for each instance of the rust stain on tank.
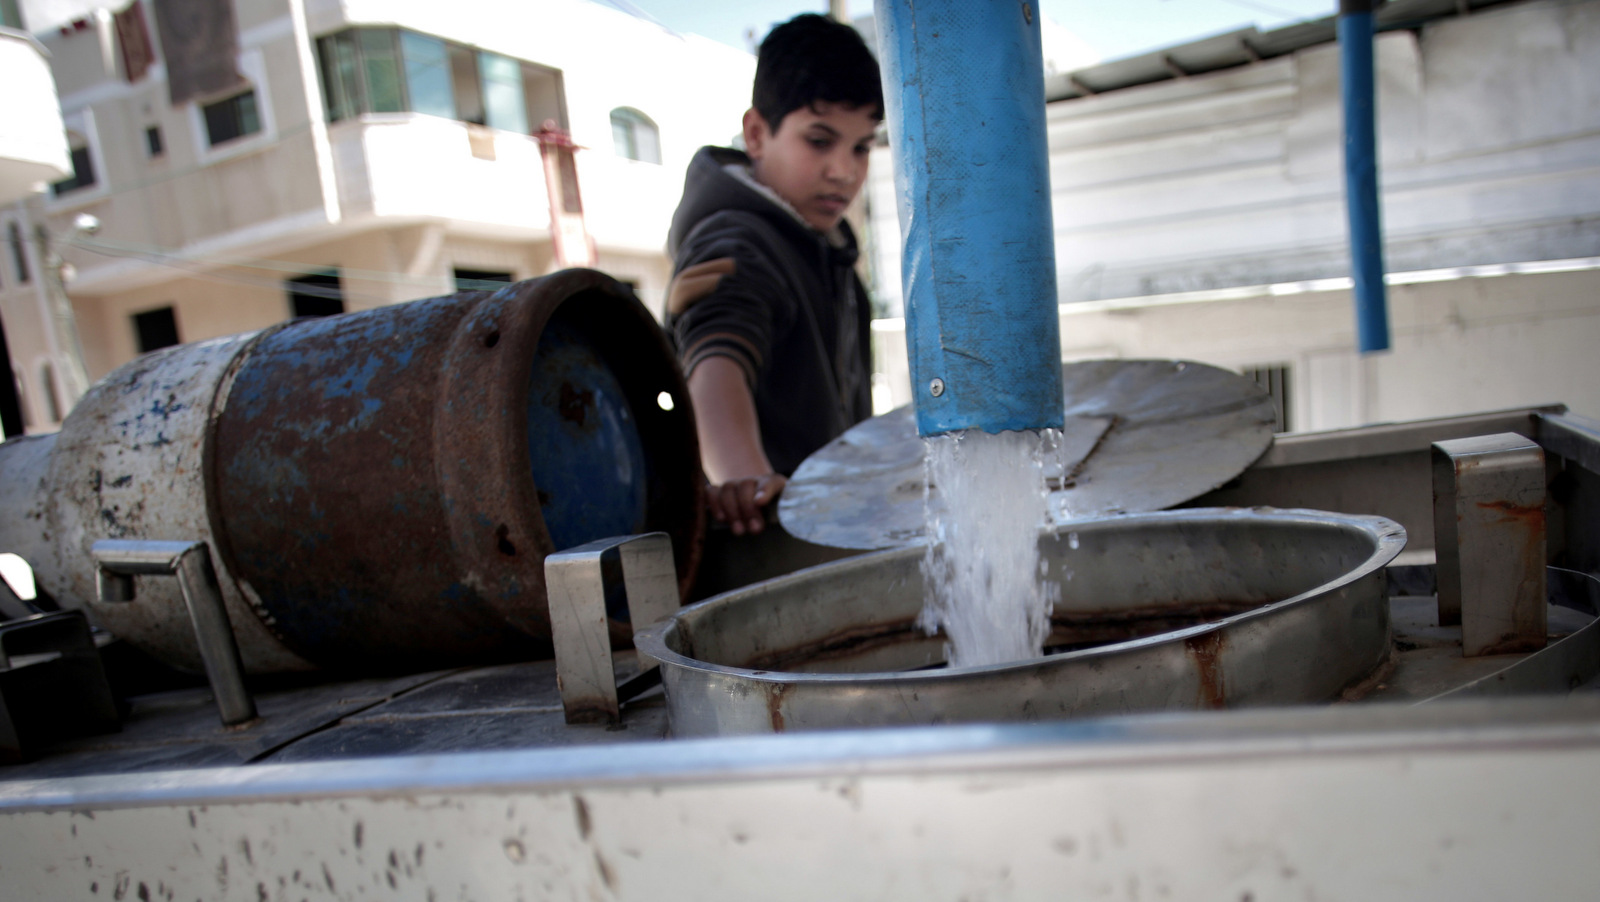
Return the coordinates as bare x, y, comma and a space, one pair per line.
1513, 644
1524, 526
1530, 516
574, 405
775, 696
1206, 649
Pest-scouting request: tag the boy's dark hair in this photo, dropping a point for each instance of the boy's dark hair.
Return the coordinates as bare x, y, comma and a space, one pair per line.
811, 59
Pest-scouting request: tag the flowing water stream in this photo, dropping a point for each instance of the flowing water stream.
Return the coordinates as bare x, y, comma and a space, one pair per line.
987, 586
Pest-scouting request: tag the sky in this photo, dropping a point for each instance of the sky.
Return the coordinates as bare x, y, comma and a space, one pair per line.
1076, 32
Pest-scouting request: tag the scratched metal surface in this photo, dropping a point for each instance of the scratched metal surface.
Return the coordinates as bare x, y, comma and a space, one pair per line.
1170, 610
376, 484
1177, 429
129, 463
366, 481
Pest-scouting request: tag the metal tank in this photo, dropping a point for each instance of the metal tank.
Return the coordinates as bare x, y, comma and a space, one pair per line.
1194, 609
378, 490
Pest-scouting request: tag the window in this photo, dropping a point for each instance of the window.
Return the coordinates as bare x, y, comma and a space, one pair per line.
390, 70
470, 279
10, 15
1274, 377
381, 61
318, 294
228, 120
428, 74
503, 106
635, 136
155, 329
19, 254
468, 90
11, 423
82, 169
153, 144
341, 82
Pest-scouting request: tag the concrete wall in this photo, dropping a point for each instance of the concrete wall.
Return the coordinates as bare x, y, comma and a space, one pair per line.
1462, 344
1490, 146
1203, 218
383, 266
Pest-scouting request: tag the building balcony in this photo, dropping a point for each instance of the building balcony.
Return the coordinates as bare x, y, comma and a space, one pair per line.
410, 166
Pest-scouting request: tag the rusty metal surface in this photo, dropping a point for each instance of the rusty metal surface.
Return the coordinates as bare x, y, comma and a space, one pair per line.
1381, 469
1140, 435
365, 481
129, 463
1570, 660
1489, 528
118, 560
1203, 608
373, 478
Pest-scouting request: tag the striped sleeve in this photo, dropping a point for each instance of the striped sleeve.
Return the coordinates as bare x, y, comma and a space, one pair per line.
724, 301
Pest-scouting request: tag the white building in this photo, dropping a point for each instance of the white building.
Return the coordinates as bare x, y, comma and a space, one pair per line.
1199, 212
33, 148
357, 153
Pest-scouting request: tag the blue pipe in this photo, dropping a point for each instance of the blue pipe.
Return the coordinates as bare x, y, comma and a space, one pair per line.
1361, 175
965, 103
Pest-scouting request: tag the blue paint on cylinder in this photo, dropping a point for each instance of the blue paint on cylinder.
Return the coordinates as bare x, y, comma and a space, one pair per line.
964, 88
587, 457
1361, 180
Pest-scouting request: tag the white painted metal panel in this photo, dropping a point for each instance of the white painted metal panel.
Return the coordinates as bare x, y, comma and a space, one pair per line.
1466, 801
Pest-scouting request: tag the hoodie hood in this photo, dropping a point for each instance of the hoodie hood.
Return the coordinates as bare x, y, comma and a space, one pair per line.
718, 181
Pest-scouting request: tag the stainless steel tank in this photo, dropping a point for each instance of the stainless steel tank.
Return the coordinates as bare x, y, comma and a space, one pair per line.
1204, 608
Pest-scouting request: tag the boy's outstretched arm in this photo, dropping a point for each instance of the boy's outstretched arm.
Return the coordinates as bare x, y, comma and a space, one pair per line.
741, 478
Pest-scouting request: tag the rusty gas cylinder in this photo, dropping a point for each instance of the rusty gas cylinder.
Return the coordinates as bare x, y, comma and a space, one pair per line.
379, 488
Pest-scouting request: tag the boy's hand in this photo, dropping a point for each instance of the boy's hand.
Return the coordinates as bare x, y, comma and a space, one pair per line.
730, 446
739, 502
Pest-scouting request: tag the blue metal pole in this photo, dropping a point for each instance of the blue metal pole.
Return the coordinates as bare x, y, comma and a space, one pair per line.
1361, 174
965, 95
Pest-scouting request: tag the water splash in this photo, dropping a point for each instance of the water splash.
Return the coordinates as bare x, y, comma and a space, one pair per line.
986, 584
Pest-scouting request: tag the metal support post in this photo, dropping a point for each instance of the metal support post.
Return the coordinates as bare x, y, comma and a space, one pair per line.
1362, 200
1489, 535
580, 582
964, 98
117, 561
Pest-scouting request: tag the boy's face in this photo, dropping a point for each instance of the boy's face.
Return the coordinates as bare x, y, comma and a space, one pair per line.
816, 160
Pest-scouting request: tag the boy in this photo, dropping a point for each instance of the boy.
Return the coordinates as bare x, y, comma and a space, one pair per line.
769, 318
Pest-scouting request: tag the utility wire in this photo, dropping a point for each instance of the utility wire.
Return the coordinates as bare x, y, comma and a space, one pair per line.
215, 270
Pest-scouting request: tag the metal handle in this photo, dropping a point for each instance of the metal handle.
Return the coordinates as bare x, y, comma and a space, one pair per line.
117, 561
1489, 540
577, 583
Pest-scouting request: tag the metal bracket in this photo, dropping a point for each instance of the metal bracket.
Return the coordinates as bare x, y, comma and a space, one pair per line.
52, 683
1489, 537
117, 561
578, 582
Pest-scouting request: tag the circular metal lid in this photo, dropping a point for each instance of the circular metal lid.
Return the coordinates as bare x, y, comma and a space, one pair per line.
1140, 435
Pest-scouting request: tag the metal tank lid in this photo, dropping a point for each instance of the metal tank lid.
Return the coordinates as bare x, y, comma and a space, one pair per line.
1140, 435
